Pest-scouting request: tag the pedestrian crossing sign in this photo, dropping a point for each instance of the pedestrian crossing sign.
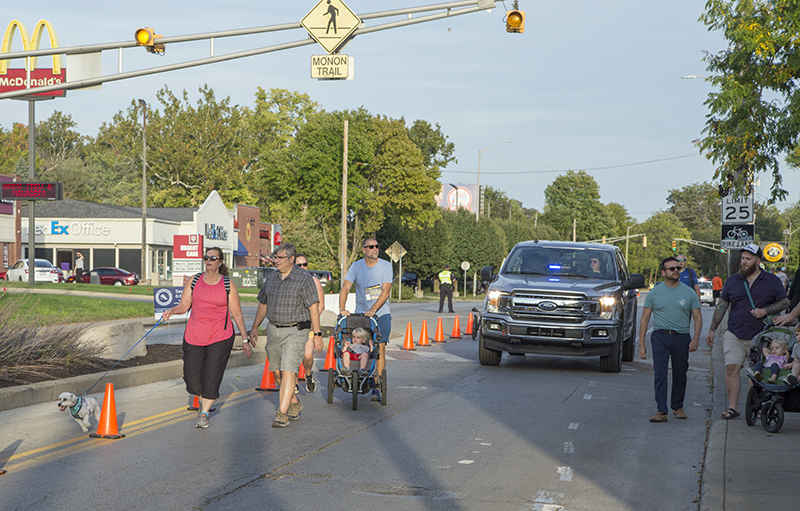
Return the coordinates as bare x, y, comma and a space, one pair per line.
330, 23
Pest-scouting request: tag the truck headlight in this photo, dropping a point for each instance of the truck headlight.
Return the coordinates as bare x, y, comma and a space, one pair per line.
493, 299
607, 304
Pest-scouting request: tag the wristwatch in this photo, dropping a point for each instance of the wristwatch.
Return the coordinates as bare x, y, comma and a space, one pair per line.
317, 334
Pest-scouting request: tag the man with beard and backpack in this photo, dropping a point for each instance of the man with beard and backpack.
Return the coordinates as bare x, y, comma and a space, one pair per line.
752, 294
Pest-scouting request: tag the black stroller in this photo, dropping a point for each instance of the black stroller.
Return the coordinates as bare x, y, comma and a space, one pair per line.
771, 399
351, 381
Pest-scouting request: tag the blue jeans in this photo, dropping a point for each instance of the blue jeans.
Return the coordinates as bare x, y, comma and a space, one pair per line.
385, 326
676, 346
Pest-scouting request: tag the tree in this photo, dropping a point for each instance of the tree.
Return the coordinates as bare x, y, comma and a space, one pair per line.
621, 218
661, 229
697, 206
13, 148
576, 195
753, 117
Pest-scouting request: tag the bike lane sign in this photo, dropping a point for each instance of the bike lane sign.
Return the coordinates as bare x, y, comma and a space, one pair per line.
736, 236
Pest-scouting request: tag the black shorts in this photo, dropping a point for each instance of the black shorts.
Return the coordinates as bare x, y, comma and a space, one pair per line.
204, 367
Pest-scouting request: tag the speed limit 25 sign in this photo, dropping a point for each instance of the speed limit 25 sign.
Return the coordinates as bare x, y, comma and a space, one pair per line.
737, 210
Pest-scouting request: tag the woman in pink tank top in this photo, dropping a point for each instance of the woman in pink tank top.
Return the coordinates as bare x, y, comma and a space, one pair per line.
208, 339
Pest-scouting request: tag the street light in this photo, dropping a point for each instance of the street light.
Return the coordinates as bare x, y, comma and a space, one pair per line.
478, 206
143, 104
627, 234
456, 189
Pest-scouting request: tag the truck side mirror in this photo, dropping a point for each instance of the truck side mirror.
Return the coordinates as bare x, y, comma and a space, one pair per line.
486, 274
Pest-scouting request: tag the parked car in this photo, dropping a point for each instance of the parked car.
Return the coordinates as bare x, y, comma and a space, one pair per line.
2, 275
409, 279
109, 277
548, 299
323, 276
706, 293
44, 272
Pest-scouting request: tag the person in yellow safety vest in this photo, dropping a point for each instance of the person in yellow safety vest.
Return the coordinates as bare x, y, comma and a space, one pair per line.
446, 284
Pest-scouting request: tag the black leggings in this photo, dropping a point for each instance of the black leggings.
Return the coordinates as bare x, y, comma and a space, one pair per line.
204, 367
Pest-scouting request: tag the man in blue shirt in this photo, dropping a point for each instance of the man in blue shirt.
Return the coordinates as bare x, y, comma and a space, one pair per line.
751, 294
372, 278
673, 305
688, 276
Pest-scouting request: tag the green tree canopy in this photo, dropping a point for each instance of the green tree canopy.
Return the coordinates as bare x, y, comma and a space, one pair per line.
576, 195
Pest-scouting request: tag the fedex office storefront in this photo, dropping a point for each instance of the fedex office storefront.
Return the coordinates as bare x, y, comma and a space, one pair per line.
110, 235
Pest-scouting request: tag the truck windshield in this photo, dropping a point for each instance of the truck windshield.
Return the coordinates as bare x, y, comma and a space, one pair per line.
586, 263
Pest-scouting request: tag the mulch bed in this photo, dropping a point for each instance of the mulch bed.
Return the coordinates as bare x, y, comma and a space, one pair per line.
155, 353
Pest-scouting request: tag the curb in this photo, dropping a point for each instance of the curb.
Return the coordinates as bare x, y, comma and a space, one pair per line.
42, 392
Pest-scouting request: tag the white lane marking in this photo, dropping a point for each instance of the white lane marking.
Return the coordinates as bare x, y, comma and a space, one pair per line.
573, 425
439, 357
569, 447
485, 443
592, 383
587, 396
466, 462
410, 387
546, 501
565, 472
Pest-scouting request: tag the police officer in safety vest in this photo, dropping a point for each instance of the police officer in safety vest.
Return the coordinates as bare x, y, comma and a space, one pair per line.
446, 284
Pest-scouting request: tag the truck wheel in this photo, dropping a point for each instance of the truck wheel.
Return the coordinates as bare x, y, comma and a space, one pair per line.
612, 363
629, 346
486, 356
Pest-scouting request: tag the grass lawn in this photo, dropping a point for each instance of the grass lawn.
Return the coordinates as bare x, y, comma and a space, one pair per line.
55, 309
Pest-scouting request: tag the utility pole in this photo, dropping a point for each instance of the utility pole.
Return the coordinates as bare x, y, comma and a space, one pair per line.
343, 253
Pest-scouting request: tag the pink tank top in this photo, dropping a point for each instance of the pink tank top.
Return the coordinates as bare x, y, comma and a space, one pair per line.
206, 323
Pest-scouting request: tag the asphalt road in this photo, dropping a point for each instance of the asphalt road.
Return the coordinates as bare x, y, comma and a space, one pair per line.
535, 433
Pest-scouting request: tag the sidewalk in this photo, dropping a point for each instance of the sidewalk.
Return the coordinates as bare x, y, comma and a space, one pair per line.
746, 467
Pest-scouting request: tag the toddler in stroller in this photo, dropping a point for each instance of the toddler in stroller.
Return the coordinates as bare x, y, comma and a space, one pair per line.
776, 357
357, 339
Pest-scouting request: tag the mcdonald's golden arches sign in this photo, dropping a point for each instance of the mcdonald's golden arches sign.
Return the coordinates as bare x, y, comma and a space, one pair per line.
17, 79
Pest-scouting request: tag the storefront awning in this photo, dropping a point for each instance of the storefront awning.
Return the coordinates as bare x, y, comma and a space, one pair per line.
241, 251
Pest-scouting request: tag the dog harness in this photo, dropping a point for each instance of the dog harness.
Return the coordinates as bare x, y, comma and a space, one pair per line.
75, 409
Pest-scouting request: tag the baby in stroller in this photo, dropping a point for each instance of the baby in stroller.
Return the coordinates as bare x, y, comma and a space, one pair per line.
776, 357
359, 345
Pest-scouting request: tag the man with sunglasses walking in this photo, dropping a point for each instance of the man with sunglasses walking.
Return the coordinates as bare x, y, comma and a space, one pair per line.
673, 306
372, 278
688, 276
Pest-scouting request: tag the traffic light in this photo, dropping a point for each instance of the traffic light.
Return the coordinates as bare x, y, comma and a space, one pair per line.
674, 245
644, 241
515, 20
147, 38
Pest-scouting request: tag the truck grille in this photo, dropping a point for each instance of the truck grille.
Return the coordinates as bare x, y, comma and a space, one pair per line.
544, 306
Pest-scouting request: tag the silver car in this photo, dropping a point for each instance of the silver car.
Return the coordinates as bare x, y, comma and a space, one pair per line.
44, 272
706, 293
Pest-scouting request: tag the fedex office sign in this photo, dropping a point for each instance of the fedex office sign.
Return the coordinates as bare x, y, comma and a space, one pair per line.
187, 246
56, 228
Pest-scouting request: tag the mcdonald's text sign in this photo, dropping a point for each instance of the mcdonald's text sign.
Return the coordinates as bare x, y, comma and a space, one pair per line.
30, 76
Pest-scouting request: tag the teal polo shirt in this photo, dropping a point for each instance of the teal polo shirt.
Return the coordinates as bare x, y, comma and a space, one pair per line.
672, 307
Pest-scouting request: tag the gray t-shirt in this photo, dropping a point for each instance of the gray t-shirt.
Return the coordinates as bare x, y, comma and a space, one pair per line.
368, 282
672, 307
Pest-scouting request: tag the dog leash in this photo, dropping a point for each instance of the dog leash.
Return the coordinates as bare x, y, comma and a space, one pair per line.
123, 356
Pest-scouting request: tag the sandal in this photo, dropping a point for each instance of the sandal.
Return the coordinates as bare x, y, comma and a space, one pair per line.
730, 413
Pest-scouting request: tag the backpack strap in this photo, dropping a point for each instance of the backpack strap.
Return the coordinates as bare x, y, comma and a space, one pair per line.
227, 281
195, 279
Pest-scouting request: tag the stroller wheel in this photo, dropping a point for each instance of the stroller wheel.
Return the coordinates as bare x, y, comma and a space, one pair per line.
772, 417
383, 387
753, 404
331, 383
356, 388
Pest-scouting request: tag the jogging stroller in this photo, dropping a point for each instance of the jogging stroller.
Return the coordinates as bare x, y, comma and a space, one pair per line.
352, 381
771, 399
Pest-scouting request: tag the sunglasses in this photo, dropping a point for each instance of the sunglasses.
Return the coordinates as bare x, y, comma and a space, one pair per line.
681, 260
672, 268
210, 258
371, 246
302, 265
281, 257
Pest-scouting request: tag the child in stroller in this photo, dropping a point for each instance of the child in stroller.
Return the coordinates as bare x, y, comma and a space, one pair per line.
776, 357
359, 345
363, 380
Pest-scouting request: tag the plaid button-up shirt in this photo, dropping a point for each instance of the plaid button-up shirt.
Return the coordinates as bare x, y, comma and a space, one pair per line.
288, 299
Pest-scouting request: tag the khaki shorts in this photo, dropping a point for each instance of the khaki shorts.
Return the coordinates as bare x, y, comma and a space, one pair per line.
735, 350
285, 348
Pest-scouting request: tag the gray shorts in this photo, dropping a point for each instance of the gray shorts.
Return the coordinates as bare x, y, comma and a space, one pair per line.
285, 347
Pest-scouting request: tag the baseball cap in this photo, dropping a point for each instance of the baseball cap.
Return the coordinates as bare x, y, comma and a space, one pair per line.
754, 249
446, 266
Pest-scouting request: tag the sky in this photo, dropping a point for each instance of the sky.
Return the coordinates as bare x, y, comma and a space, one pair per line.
592, 86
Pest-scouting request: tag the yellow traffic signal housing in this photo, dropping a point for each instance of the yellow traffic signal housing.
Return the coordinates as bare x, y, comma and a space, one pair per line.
674, 245
515, 22
147, 38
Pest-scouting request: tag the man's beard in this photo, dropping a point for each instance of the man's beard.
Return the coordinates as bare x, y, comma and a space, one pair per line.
747, 271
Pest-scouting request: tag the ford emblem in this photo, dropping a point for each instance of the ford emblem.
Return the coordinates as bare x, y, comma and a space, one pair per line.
547, 306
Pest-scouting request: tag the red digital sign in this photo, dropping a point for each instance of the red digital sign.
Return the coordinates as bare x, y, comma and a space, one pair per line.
187, 246
32, 191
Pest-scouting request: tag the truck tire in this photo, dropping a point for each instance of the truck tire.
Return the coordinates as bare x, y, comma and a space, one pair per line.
629, 346
612, 363
486, 356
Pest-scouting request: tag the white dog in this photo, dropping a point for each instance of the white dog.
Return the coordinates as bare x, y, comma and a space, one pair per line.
81, 408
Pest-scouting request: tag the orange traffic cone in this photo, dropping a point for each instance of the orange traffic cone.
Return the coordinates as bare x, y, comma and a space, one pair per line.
268, 383
330, 357
468, 331
107, 427
439, 337
423, 335
301, 374
196, 405
408, 344
456, 330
